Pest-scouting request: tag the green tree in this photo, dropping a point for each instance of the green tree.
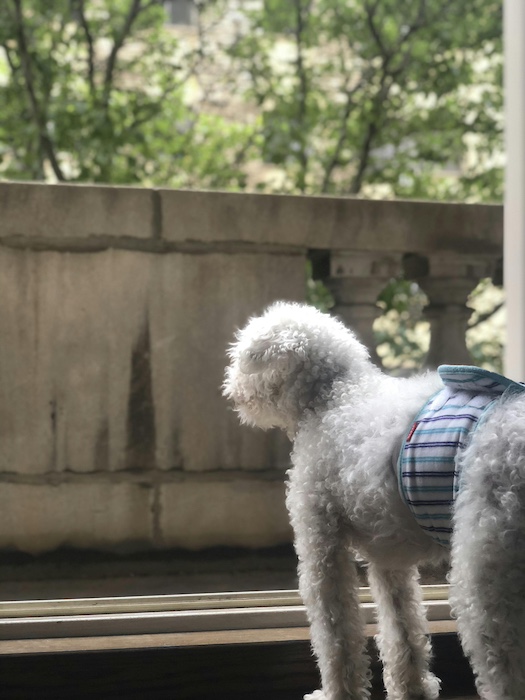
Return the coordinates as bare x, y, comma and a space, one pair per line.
94, 91
366, 97
395, 97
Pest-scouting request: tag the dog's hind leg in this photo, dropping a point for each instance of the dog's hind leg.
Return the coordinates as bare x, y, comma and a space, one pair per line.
329, 586
488, 576
403, 644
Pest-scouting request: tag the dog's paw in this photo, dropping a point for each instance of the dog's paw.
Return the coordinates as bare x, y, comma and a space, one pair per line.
432, 686
319, 695
428, 689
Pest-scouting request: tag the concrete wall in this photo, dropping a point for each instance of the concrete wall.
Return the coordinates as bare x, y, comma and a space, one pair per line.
116, 308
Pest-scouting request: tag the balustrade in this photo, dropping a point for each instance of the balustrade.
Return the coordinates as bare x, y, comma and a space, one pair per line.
117, 306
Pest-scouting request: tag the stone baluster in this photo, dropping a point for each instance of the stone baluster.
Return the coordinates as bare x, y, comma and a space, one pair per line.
355, 281
448, 279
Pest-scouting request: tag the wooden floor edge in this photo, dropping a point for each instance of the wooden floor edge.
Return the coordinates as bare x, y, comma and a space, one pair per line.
185, 639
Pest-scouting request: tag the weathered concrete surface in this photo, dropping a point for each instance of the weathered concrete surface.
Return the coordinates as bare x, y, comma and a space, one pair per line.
37, 518
115, 360
244, 513
68, 325
230, 288
75, 211
332, 223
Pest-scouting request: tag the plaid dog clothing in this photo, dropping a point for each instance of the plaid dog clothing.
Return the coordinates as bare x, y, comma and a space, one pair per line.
429, 464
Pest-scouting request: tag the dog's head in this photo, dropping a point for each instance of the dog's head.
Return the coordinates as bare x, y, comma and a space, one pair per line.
286, 361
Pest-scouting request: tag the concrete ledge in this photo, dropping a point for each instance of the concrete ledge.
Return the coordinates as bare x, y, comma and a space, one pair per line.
116, 216
36, 519
334, 223
237, 513
99, 512
75, 211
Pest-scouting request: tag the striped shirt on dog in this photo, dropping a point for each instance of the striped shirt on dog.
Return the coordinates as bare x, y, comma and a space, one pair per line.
429, 465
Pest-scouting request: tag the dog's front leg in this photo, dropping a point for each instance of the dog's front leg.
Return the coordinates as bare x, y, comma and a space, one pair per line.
328, 584
403, 645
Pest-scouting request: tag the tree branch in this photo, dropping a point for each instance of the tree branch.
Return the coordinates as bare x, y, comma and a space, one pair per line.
373, 129
357, 181
134, 10
485, 317
334, 160
46, 144
387, 75
370, 15
303, 88
91, 49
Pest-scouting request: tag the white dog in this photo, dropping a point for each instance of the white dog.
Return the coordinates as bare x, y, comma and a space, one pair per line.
305, 372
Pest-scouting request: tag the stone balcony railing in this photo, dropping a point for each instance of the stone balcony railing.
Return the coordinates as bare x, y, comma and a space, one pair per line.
116, 308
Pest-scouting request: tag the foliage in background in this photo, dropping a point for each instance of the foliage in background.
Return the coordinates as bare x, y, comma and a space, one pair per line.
401, 333
375, 98
378, 97
317, 293
486, 335
362, 97
93, 91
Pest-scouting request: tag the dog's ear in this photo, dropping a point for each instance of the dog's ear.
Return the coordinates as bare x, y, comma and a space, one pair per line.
276, 351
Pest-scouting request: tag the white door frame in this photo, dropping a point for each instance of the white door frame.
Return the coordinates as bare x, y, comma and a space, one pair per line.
514, 216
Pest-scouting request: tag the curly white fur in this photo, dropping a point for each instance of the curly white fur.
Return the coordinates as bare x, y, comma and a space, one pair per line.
305, 372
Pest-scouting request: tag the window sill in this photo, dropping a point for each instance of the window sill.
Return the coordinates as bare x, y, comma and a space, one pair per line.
122, 642
240, 645
177, 615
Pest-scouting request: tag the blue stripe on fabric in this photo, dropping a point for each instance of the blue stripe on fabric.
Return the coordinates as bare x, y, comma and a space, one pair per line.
435, 431
440, 502
455, 443
466, 405
432, 528
435, 419
430, 474
442, 460
429, 489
